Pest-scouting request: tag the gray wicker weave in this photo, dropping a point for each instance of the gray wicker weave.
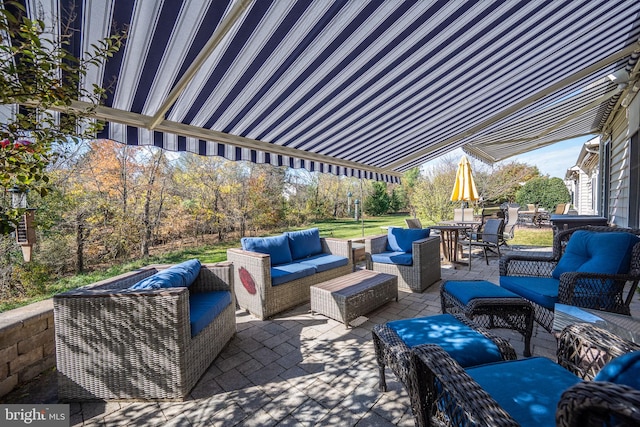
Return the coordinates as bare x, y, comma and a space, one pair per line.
424, 271
591, 284
391, 351
510, 313
347, 297
264, 300
449, 396
114, 343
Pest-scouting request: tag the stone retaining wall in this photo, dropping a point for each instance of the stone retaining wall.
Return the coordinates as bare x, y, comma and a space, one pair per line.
27, 345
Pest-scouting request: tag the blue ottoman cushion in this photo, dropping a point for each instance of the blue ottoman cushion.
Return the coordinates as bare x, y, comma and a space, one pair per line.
466, 345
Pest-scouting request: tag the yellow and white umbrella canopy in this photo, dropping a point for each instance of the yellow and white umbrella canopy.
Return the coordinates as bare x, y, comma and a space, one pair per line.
464, 188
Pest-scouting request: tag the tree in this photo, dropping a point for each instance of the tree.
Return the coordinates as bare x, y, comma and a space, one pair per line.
501, 184
377, 203
38, 73
545, 192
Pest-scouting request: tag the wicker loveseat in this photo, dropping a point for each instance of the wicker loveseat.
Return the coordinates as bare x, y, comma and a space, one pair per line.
115, 342
408, 254
590, 267
273, 274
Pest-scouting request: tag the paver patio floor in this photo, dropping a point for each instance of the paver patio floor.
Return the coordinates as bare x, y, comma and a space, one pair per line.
296, 369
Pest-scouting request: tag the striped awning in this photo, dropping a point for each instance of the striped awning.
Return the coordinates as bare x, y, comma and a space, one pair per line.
354, 87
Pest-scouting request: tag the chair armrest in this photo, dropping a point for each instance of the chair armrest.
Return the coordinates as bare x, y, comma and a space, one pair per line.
584, 349
214, 277
122, 317
445, 386
335, 246
375, 244
527, 265
425, 250
597, 290
255, 265
598, 403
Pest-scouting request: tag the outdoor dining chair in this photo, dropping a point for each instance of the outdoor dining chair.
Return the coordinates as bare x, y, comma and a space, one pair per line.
488, 238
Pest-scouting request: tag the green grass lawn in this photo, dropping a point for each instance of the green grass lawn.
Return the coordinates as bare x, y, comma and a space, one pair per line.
340, 228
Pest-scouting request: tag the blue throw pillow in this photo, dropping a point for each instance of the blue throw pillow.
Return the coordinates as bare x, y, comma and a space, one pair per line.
304, 243
179, 275
593, 252
624, 370
277, 247
401, 239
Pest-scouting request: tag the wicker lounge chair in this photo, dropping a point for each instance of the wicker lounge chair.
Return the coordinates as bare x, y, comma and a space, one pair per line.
416, 276
453, 395
118, 343
533, 276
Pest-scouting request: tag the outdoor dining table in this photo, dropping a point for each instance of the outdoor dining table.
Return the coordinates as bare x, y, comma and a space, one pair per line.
450, 234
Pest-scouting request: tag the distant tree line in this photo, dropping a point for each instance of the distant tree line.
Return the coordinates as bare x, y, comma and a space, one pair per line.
110, 203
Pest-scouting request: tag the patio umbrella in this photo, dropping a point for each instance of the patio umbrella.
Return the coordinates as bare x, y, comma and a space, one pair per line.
464, 189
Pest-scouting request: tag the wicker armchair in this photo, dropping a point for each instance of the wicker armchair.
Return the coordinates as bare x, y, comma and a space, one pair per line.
424, 271
451, 395
118, 343
590, 290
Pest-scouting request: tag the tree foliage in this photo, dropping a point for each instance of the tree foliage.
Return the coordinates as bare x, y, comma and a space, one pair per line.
39, 74
378, 202
544, 192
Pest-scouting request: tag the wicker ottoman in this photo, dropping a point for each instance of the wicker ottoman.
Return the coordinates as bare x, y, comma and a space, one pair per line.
347, 297
489, 306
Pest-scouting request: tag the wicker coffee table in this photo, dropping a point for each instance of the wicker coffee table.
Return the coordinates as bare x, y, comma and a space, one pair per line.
350, 296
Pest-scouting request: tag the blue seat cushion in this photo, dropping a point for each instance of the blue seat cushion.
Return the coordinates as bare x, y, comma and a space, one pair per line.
466, 290
593, 252
401, 239
528, 389
304, 243
401, 258
325, 262
541, 290
206, 306
277, 247
179, 275
466, 345
623, 369
287, 272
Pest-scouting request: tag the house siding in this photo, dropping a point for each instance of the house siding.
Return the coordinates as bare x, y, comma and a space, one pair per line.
624, 125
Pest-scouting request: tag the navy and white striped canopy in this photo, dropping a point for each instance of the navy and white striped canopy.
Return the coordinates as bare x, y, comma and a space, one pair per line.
355, 87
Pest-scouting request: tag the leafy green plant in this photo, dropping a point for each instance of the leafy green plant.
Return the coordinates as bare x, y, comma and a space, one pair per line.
39, 74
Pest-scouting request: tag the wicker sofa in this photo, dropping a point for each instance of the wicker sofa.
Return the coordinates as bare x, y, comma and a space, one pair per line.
273, 274
415, 262
114, 342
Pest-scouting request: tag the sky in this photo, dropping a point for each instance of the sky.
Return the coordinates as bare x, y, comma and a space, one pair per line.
553, 160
